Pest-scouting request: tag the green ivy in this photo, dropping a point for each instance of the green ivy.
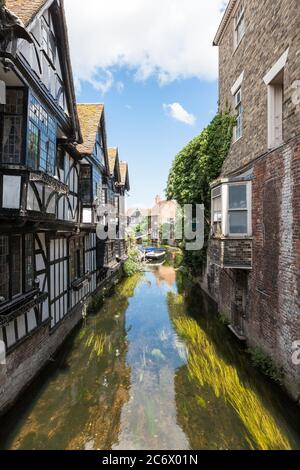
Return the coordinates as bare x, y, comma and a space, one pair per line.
195, 167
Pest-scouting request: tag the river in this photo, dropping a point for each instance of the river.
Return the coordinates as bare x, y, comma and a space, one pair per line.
154, 369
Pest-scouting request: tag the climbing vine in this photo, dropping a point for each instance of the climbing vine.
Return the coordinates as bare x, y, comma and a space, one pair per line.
196, 166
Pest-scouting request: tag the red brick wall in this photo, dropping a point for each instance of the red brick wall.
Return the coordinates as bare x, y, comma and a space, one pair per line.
274, 314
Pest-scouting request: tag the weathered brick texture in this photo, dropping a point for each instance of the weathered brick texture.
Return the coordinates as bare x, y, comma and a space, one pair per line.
266, 303
272, 26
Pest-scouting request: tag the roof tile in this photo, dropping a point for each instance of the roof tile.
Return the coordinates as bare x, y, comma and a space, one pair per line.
89, 118
25, 9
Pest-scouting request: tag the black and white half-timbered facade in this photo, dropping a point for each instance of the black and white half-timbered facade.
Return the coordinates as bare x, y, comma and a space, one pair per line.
53, 177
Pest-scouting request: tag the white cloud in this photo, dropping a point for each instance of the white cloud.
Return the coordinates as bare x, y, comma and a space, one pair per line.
165, 39
177, 112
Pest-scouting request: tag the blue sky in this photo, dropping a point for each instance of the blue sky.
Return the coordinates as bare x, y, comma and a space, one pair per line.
147, 137
153, 66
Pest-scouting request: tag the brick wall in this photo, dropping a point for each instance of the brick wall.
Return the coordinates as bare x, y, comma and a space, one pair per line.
274, 320
231, 252
26, 361
23, 364
271, 27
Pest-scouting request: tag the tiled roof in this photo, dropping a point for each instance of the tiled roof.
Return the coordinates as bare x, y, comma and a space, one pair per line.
124, 172
25, 9
89, 119
112, 157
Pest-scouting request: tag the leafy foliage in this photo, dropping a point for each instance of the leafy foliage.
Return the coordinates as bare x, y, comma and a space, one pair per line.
133, 264
265, 365
195, 167
200, 162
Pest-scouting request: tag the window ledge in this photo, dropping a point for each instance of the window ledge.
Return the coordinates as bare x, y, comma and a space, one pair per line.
21, 305
83, 281
236, 47
236, 140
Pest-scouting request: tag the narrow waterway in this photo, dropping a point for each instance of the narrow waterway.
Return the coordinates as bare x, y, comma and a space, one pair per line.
154, 369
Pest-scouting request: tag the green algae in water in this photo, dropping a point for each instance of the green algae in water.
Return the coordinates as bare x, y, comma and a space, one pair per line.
153, 369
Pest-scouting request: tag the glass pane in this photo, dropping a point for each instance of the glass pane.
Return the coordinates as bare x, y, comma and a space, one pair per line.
33, 146
238, 222
29, 270
14, 102
238, 197
12, 139
4, 268
16, 266
217, 204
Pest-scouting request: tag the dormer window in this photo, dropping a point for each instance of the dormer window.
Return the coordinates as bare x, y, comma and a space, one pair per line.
239, 25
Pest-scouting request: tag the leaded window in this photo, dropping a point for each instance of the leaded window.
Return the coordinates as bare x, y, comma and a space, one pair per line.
41, 138
76, 258
97, 183
48, 42
4, 268
29, 262
16, 265
85, 184
11, 127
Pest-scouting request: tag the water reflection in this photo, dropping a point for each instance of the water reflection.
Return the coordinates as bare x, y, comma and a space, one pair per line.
153, 370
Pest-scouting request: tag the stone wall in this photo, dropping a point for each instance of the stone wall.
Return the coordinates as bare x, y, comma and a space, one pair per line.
271, 27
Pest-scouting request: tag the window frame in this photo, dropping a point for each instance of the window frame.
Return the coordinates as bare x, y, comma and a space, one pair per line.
226, 211
23, 117
24, 287
76, 256
86, 199
235, 210
239, 19
238, 107
40, 118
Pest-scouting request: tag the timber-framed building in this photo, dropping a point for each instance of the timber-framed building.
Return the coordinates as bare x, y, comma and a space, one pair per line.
55, 172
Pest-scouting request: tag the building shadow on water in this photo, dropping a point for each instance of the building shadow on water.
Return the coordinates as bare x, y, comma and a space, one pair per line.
218, 391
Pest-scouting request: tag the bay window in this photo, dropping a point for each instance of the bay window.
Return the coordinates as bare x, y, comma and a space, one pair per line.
16, 265
11, 127
231, 209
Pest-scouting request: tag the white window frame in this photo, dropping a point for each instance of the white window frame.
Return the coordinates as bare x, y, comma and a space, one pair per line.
238, 106
225, 232
239, 20
248, 210
214, 196
275, 101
